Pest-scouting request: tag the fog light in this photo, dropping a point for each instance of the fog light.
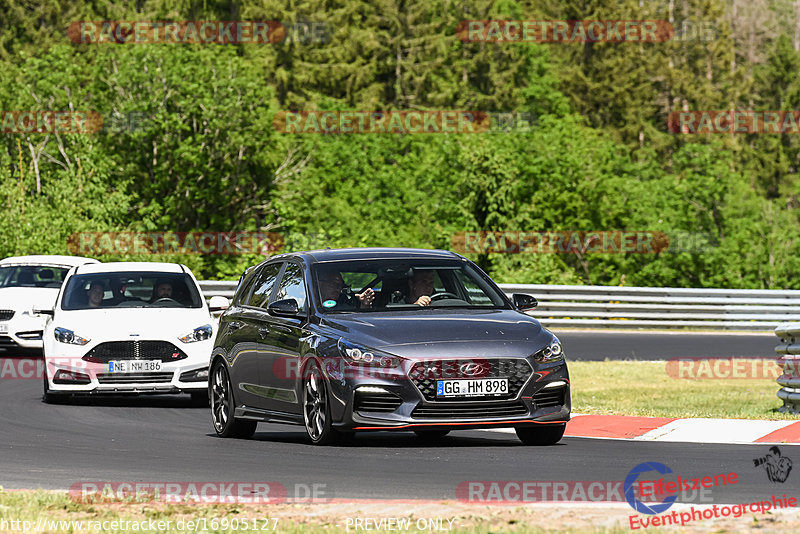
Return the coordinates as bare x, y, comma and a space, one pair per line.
71, 378
198, 375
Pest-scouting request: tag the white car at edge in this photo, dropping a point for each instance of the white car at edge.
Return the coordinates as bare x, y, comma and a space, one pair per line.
129, 327
28, 283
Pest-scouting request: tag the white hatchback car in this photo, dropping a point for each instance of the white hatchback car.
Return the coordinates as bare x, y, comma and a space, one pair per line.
130, 328
27, 283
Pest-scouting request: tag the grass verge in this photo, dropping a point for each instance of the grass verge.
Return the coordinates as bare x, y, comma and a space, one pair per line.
646, 389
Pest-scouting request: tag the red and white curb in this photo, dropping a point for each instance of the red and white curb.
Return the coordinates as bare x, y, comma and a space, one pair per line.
673, 429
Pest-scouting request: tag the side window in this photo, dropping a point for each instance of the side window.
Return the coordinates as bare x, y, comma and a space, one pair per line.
264, 282
292, 286
475, 295
244, 287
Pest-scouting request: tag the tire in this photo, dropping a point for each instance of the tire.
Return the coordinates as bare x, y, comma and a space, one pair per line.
200, 398
223, 407
317, 409
540, 434
48, 397
431, 435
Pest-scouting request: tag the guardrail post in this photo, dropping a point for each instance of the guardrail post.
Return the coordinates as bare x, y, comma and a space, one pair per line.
789, 360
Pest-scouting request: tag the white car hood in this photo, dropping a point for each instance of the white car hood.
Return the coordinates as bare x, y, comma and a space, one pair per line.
133, 323
27, 298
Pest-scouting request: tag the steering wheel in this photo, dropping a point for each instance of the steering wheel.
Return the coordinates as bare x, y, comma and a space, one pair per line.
443, 295
164, 299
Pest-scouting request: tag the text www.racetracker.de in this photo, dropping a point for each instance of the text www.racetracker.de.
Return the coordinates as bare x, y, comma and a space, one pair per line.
200, 524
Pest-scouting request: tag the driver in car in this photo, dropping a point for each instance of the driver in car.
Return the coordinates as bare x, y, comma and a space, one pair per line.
162, 290
95, 294
420, 287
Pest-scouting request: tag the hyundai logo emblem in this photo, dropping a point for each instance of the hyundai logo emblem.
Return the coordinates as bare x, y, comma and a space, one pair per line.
471, 369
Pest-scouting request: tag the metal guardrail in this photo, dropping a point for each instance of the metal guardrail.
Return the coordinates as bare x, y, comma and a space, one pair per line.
662, 307
642, 307
789, 360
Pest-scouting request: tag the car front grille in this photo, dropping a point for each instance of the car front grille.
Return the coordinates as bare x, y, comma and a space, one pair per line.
383, 402
546, 398
7, 343
134, 378
424, 375
135, 350
473, 410
6, 315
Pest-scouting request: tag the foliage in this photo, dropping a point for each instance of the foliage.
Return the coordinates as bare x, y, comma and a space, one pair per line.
189, 142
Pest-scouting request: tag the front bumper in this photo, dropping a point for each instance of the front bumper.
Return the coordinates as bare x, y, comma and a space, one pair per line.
392, 401
70, 373
100, 381
22, 332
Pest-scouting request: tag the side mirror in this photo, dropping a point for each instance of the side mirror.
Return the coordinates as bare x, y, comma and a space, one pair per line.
218, 303
285, 307
44, 311
524, 302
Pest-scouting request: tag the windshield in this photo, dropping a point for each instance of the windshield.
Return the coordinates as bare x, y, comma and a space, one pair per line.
32, 276
131, 290
386, 285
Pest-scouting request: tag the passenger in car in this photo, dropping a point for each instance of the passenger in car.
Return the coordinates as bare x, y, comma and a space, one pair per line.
332, 288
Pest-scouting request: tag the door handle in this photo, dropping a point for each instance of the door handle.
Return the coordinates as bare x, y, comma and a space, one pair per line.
263, 331
234, 326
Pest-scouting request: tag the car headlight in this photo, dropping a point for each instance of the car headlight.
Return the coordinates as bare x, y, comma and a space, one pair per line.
65, 335
201, 333
551, 353
360, 355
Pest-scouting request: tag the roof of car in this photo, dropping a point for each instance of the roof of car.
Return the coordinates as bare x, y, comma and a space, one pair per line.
128, 266
64, 261
375, 253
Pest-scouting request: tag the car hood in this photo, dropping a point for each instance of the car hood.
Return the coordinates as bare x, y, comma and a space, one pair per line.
428, 333
133, 323
27, 298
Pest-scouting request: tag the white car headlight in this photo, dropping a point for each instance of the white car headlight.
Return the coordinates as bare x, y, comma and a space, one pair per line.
65, 335
201, 333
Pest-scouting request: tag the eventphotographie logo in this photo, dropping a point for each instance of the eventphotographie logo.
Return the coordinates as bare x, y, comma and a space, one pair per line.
777, 466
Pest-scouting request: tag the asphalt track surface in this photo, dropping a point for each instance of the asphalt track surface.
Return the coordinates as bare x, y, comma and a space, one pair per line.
165, 439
